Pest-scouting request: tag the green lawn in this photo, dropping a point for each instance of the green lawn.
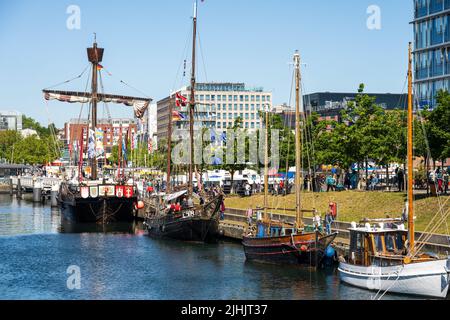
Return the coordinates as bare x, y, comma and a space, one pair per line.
353, 205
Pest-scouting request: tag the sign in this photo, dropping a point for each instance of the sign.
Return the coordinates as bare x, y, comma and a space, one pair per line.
84, 192
128, 191
93, 191
120, 191
106, 191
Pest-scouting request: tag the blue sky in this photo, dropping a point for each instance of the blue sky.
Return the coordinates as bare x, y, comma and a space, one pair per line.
249, 41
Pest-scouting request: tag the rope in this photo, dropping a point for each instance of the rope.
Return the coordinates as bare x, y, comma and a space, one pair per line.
70, 80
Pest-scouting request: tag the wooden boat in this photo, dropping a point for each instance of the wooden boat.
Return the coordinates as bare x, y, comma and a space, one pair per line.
199, 222
95, 200
281, 243
387, 259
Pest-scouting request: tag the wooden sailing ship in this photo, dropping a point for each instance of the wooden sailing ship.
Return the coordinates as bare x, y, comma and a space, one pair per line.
282, 243
94, 200
193, 222
383, 256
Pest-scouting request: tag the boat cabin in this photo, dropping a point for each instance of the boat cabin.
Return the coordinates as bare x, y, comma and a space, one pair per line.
379, 244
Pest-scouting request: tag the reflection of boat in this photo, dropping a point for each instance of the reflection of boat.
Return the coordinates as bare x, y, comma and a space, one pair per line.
95, 200
277, 242
118, 227
194, 222
386, 258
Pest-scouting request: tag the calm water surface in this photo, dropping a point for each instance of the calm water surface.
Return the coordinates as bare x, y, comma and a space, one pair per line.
123, 263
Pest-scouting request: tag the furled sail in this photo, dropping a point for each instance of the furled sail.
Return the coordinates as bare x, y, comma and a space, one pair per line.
139, 105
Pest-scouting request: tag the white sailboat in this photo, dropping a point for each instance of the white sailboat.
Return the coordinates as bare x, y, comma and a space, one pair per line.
386, 259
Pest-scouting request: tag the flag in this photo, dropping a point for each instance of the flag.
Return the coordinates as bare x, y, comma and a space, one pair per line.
91, 144
99, 149
224, 137
150, 146
124, 147
177, 116
99, 67
180, 101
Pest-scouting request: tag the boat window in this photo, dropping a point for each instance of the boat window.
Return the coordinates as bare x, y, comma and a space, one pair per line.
378, 243
390, 242
399, 242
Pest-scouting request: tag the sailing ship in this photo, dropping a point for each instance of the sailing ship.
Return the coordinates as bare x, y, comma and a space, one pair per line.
383, 255
276, 242
96, 200
193, 222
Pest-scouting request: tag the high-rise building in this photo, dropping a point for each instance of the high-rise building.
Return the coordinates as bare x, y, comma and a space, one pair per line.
431, 49
218, 105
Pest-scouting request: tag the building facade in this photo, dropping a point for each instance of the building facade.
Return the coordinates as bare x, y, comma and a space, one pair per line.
431, 49
218, 106
10, 120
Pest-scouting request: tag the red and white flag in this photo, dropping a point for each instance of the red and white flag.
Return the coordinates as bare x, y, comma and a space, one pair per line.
180, 101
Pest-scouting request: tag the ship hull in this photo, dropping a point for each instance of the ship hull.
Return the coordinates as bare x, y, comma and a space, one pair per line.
300, 249
422, 279
98, 210
200, 226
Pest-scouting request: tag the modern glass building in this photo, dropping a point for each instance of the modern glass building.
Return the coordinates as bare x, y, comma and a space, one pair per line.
431, 49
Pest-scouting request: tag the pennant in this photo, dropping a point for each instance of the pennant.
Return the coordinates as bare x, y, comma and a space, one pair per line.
91, 144
99, 67
180, 101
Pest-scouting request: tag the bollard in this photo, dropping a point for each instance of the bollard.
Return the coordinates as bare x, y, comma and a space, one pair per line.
37, 192
19, 188
54, 196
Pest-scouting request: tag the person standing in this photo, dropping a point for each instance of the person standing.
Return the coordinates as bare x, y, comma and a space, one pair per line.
401, 180
328, 222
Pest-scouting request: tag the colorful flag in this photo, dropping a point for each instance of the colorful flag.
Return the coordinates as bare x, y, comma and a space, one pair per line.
99, 149
177, 116
91, 144
99, 67
180, 101
150, 146
124, 148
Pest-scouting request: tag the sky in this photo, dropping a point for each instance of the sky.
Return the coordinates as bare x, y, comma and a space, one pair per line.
146, 41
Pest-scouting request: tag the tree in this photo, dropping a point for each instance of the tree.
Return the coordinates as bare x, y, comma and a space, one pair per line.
33, 150
8, 141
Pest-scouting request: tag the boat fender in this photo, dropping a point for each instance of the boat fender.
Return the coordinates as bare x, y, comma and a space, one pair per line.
330, 252
140, 204
406, 260
303, 248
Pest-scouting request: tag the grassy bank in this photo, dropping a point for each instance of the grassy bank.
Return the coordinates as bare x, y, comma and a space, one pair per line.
353, 205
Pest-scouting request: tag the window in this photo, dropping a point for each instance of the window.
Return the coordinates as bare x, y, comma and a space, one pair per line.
218, 107
208, 97
263, 98
246, 107
246, 98
252, 116
230, 107
218, 116
252, 106
235, 98
219, 98
241, 107
268, 98
230, 116
253, 125
258, 98
235, 107
246, 116
230, 98
202, 97
241, 98
246, 125
213, 97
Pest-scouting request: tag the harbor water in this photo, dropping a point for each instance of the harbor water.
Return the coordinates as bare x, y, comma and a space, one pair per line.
38, 255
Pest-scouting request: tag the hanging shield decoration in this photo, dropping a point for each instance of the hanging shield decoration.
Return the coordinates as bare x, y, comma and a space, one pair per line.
93, 191
84, 192
120, 191
128, 191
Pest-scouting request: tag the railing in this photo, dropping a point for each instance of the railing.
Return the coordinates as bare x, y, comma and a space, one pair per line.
29, 182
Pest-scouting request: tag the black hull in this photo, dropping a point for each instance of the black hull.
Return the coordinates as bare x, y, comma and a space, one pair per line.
202, 226
98, 210
186, 229
283, 250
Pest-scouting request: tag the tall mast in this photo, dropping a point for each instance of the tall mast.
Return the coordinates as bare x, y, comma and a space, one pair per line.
266, 166
410, 155
192, 101
95, 56
169, 147
298, 209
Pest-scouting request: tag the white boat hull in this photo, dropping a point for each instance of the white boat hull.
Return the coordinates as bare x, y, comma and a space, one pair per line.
425, 278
